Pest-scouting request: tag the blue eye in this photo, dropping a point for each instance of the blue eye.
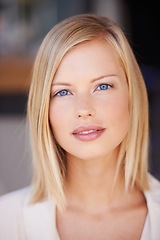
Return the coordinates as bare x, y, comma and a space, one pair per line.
62, 93
103, 87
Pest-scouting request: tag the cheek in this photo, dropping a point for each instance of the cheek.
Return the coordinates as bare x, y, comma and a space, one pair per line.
121, 117
116, 112
57, 114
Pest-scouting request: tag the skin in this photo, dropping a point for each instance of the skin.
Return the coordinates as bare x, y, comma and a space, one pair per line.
90, 91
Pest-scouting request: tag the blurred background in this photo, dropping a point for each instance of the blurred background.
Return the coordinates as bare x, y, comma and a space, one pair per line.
23, 25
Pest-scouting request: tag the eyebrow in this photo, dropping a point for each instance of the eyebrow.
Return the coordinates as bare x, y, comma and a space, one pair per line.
61, 84
92, 81
103, 76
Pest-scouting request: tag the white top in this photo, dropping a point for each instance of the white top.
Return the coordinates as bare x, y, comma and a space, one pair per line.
20, 220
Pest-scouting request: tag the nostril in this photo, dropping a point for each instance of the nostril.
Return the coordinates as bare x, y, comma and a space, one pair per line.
83, 115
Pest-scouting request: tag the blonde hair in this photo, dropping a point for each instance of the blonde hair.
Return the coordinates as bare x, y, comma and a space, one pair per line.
48, 157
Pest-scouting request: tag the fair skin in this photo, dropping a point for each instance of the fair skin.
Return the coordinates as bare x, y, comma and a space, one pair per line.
89, 116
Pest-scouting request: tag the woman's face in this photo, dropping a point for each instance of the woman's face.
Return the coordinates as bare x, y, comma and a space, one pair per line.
89, 113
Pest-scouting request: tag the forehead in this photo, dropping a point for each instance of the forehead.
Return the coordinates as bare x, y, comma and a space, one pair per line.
90, 48
90, 57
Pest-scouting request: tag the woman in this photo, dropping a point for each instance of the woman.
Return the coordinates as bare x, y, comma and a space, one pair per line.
88, 118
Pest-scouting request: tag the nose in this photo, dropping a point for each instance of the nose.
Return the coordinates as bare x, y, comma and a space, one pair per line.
84, 108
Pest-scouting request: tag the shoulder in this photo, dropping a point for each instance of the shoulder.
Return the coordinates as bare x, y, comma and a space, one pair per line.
13, 197
154, 192
11, 213
13, 201
153, 204
20, 219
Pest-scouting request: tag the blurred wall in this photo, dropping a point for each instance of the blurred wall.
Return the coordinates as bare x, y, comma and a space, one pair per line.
15, 159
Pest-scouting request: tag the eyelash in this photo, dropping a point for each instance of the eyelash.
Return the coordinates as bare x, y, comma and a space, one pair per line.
60, 93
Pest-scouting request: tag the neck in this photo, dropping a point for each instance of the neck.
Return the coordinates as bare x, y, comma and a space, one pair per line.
90, 182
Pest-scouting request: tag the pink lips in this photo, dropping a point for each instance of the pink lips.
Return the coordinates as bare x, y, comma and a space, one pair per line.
88, 133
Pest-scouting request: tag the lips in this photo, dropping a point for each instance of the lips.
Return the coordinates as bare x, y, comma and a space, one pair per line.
88, 133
